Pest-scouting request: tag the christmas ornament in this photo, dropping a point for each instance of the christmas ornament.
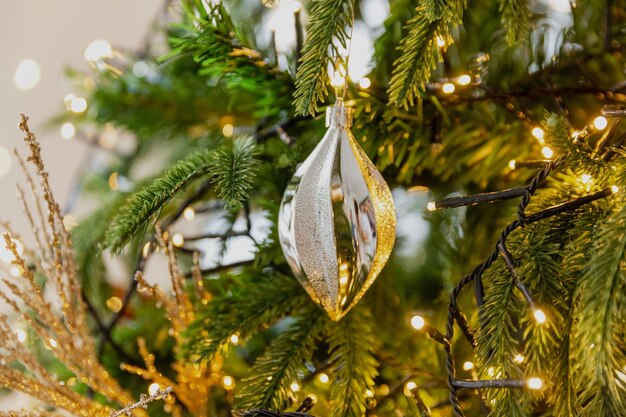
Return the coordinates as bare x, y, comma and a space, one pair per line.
337, 221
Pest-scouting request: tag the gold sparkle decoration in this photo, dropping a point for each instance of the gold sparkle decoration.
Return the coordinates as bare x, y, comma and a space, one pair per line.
337, 221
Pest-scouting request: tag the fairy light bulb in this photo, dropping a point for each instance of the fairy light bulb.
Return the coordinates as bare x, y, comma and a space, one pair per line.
417, 322
538, 133
614, 189
464, 79
295, 387
153, 388
27, 75
97, 50
178, 240
189, 213
440, 42
519, 358
534, 383
600, 122
547, 152
365, 83
228, 382
431, 206
21, 335
512, 163
540, 316
67, 131
448, 88
408, 387
78, 105
234, 339
468, 366
323, 378
228, 129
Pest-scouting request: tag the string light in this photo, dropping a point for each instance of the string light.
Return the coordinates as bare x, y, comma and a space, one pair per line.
114, 304
467, 366
417, 322
228, 130
153, 388
189, 213
78, 105
600, 122
5, 161
97, 50
365, 83
113, 182
67, 131
448, 88
540, 316
431, 206
519, 358
585, 178
323, 378
15, 271
295, 387
178, 240
228, 382
234, 339
408, 387
27, 75
464, 80
534, 383
21, 335
369, 393
614, 189
440, 42
53, 343
547, 152
512, 164
538, 133
108, 137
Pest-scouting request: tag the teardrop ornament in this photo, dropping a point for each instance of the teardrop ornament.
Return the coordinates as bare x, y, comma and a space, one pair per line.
337, 221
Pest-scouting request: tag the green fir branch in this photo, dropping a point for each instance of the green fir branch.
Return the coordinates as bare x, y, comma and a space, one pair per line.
269, 385
419, 50
247, 309
230, 169
329, 20
354, 367
516, 19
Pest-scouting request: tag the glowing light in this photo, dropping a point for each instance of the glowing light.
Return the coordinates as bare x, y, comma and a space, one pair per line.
234, 339
146, 250
369, 393
538, 132
153, 388
108, 137
5, 161
440, 42
337, 78
417, 322
323, 378
97, 50
519, 358
512, 163
178, 240
67, 131
408, 387
585, 178
600, 122
547, 152
540, 316
27, 75
614, 189
228, 382
365, 83
431, 206
140, 69
295, 387
534, 383
448, 88
189, 213
114, 304
78, 105
464, 79
468, 366
53, 343
21, 335
15, 271
228, 130
113, 181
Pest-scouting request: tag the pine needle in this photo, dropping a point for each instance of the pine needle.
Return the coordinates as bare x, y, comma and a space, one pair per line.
516, 19
329, 20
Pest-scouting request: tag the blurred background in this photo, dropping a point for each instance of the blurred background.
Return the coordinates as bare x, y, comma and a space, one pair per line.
41, 40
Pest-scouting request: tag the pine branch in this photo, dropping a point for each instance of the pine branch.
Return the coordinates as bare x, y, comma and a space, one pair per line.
598, 327
328, 22
516, 18
274, 372
245, 311
420, 52
354, 367
233, 170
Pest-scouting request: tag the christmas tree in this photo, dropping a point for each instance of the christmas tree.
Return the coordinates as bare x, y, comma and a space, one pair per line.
494, 123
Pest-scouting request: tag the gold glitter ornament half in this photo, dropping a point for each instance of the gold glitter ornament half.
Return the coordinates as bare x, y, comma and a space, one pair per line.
337, 221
